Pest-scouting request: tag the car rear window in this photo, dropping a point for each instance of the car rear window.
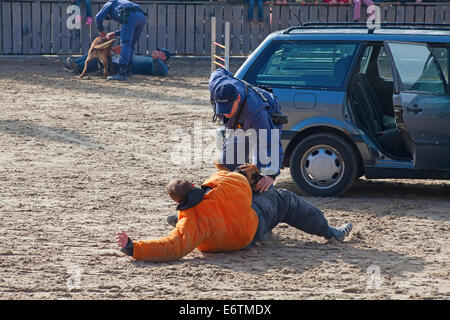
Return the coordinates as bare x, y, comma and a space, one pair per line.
322, 65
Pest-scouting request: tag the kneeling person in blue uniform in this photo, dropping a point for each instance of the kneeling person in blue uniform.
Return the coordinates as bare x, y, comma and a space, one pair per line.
155, 65
132, 19
254, 110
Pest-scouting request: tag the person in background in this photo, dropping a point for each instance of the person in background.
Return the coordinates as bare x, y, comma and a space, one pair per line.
88, 11
357, 8
132, 19
337, 1
156, 64
251, 7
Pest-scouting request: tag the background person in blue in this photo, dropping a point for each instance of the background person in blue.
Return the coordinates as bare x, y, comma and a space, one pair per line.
132, 19
247, 108
155, 65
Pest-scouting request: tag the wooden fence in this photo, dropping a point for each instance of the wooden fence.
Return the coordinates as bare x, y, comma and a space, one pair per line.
40, 26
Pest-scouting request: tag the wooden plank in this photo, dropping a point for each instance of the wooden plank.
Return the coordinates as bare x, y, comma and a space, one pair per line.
181, 30
141, 46
236, 30
209, 12
7, 28
152, 27
313, 14
228, 17
275, 18
383, 10
1, 30
171, 24
27, 35
447, 15
332, 14
65, 32
190, 29
323, 13
36, 24
162, 25
342, 14
56, 27
400, 14
350, 13
246, 33
199, 29
429, 14
46, 27
255, 35
409, 14
17, 27
304, 13
293, 14
439, 14
266, 25
284, 17
420, 14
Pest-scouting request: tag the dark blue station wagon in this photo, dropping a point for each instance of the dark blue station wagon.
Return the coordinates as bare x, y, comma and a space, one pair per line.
372, 102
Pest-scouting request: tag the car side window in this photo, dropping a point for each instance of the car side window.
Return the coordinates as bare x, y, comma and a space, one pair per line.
417, 68
441, 55
384, 66
312, 64
364, 63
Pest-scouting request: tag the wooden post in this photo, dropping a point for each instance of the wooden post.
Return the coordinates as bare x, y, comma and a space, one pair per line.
213, 40
227, 45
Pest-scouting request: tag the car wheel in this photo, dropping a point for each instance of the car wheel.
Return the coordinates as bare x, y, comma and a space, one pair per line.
323, 165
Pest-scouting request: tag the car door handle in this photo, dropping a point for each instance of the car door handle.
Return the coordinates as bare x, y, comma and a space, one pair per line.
416, 109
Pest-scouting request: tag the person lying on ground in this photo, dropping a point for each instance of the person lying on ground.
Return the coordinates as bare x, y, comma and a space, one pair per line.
221, 216
155, 65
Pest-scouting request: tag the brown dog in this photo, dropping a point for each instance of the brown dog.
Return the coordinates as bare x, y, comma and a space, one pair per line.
250, 171
100, 48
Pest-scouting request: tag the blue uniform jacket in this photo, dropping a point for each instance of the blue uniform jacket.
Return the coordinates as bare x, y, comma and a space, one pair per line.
255, 115
110, 11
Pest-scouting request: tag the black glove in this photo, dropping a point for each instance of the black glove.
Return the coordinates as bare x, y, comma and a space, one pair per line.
128, 249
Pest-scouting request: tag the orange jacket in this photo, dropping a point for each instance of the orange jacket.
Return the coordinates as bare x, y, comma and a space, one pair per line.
223, 221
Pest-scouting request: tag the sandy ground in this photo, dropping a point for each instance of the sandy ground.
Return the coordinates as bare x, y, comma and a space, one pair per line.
82, 160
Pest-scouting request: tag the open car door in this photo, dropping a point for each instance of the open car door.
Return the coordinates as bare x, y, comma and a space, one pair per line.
421, 104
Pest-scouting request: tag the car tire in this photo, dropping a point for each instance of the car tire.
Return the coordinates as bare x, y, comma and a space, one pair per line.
323, 165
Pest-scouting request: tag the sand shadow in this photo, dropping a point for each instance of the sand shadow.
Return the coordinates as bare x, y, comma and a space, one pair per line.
363, 188
433, 200
294, 256
30, 129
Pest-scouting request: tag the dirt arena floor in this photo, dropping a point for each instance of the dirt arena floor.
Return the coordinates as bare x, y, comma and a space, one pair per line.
81, 160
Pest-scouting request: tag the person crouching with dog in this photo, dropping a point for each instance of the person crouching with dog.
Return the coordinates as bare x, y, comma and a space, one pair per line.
219, 216
132, 19
252, 116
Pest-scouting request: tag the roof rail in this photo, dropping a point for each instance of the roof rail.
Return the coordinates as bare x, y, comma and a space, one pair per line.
363, 25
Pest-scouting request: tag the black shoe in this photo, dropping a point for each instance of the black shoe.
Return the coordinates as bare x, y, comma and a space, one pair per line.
66, 64
339, 233
129, 70
172, 220
121, 75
